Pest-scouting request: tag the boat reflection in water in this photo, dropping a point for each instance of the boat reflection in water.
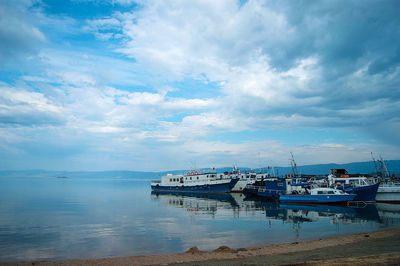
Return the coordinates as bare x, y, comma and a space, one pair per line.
237, 205
389, 213
312, 213
207, 203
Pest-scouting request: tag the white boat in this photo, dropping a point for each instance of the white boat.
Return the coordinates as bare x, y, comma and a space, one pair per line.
244, 179
195, 181
388, 192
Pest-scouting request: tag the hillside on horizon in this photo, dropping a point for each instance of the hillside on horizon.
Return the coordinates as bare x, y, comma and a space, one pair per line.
315, 169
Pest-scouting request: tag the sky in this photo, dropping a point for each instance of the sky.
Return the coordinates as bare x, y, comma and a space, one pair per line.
90, 85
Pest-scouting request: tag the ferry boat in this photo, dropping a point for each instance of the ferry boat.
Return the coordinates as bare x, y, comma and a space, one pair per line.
317, 195
202, 182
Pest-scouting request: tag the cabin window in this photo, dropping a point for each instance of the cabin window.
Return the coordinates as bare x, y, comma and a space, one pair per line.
190, 178
330, 192
320, 192
170, 180
197, 178
220, 176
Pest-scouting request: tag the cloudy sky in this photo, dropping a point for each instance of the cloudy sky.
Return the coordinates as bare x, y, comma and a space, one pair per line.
161, 85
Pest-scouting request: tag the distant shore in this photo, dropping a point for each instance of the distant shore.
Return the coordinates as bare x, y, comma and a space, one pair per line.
372, 248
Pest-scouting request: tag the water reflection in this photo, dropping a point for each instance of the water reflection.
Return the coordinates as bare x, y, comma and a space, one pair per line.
53, 218
389, 213
238, 205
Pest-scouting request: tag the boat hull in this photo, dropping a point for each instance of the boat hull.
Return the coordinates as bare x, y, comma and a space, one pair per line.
316, 199
204, 188
388, 197
364, 193
269, 194
240, 185
388, 193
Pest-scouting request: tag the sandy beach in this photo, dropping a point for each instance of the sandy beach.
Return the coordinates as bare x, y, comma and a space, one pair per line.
373, 248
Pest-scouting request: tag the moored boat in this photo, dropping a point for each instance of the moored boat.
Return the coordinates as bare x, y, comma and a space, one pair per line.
192, 182
244, 179
362, 186
317, 195
388, 192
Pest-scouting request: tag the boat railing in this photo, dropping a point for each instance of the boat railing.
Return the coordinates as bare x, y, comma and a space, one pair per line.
262, 189
390, 184
252, 187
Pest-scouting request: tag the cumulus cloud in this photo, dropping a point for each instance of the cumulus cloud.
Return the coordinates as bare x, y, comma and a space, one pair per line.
267, 65
325, 64
27, 108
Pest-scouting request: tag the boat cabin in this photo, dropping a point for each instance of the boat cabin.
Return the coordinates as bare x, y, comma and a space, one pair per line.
191, 178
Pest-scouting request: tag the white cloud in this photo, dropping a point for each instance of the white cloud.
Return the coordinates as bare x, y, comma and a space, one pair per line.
263, 66
27, 108
199, 37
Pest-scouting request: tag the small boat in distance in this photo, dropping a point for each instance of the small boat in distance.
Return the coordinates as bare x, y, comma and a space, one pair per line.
202, 182
317, 195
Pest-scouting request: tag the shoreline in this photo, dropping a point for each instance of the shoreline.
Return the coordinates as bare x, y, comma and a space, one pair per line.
376, 247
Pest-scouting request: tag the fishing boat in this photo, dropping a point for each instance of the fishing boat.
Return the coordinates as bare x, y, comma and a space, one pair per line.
317, 195
364, 188
195, 181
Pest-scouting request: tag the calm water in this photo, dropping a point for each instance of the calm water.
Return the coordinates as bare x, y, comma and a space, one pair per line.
63, 218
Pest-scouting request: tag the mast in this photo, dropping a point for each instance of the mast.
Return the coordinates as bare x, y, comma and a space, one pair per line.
376, 166
293, 165
385, 171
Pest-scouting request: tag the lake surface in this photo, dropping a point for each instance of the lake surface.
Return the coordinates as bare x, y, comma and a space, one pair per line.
65, 218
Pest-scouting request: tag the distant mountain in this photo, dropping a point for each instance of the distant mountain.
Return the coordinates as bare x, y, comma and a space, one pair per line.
81, 174
353, 168
315, 169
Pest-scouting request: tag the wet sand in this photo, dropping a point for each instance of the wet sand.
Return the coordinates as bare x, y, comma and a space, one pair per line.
372, 248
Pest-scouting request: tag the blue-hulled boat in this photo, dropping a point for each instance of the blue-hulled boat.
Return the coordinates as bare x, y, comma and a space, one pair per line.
269, 189
195, 182
317, 195
272, 188
353, 184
